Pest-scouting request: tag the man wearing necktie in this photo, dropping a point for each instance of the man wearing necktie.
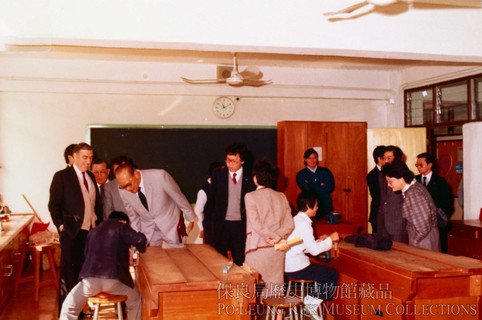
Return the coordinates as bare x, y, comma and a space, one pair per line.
154, 203
101, 173
439, 190
229, 186
75, 209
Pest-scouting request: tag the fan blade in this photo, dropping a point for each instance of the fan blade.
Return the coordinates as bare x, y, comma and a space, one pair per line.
256, 83
252, 73
455, 3
203, 81
347, 9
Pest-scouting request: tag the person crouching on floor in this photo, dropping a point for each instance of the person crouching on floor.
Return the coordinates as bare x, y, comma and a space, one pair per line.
106, 267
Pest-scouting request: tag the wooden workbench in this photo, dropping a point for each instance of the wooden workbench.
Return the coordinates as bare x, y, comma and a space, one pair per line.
189, 283
405, 283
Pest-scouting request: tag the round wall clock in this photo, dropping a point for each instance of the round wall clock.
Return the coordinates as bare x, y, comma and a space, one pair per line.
223, 107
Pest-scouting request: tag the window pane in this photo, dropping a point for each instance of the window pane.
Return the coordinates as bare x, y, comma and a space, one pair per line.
478, 98
419, 107
452, 102
447, 131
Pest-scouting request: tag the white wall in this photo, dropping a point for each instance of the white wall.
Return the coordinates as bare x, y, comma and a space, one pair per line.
472, 169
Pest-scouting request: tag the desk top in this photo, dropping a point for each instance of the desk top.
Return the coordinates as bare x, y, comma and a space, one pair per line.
195, 267
473, 222
13, 227
413, 262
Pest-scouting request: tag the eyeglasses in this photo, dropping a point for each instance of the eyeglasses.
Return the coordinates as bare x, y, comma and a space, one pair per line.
99, 172
127, 185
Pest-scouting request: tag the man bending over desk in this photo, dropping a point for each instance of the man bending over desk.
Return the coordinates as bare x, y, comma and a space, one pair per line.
106, 267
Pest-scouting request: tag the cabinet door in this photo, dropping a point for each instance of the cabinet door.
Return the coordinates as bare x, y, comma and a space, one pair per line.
291, 146
6, 274
343, 150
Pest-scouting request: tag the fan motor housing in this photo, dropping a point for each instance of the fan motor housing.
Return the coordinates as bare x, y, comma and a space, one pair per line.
223, 72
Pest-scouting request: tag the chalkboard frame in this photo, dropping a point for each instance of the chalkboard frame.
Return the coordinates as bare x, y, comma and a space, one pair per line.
184, 151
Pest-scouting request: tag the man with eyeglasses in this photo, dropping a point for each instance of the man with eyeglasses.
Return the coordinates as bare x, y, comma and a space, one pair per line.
439, 190
153, 202
101, 173
229, 186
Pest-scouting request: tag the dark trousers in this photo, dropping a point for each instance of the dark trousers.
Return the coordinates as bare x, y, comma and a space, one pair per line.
71, 260
325, 277
232, 236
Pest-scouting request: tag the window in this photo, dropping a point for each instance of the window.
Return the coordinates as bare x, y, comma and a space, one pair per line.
419, 107
451, 102
444, 107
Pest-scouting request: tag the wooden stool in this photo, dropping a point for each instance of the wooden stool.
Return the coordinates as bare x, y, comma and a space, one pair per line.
283, 303
107, 298
302, 286
36, 252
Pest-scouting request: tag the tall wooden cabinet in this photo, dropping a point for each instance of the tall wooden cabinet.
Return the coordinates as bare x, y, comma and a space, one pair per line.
343, 151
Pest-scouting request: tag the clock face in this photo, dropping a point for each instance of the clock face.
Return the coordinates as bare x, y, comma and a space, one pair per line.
223, 107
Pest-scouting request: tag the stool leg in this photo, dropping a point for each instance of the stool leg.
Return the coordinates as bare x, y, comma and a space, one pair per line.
296, 313
96, 311
37, 257
19, 272
53, 271
120, 316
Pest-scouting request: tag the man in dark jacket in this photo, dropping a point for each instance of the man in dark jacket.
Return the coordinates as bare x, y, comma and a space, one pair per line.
106, 267
75, 208
375, 180
438, 188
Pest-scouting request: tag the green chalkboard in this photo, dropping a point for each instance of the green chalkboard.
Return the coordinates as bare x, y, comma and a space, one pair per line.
185, 152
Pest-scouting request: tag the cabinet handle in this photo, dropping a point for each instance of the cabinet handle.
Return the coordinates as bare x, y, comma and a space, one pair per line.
9, 273
347, 190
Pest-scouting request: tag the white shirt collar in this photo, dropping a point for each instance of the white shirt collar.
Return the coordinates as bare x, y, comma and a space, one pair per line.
141, 183
428, 176
239, 173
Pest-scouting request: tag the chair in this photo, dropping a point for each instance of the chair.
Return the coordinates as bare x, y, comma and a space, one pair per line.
107, 298
286, 303
36, 253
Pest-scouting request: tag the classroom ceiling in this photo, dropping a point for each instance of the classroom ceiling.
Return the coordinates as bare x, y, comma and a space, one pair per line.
245, 58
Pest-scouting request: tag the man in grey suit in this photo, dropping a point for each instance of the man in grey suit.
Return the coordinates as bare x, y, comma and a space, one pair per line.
111, 199
156, 200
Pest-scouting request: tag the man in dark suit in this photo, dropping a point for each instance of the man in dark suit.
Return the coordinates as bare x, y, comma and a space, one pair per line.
390, 221
229, 186
438, 188
75, 208
375, 179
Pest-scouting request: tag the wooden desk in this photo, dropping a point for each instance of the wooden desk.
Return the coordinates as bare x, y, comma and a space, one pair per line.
405, 283
189, 283
13, 237
465, 238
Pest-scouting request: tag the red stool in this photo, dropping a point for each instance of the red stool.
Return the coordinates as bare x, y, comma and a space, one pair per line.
36, 253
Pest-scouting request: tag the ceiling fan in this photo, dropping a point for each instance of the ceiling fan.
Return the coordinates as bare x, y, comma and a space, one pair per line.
369, 5
248, 77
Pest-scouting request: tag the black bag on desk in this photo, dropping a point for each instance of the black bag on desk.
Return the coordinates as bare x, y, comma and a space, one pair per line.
372, 241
